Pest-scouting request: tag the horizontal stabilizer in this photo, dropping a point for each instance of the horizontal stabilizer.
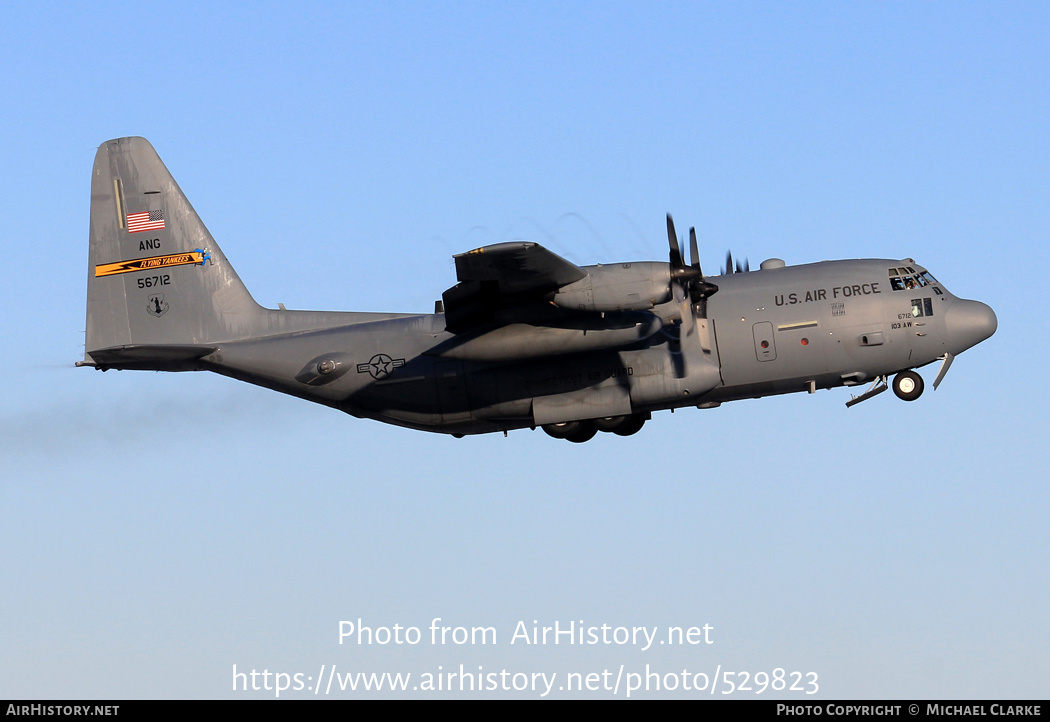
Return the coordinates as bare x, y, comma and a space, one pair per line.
174, 357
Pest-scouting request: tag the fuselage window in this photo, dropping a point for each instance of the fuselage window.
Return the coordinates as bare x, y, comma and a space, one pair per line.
921, 307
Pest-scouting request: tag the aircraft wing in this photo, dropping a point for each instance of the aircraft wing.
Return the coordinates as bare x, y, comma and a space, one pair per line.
504, 282
519, 267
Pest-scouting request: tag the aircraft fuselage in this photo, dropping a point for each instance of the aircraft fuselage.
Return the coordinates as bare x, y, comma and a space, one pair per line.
775, 331
524, 339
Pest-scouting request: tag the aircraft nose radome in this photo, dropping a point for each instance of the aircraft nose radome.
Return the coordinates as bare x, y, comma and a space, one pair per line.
969, 323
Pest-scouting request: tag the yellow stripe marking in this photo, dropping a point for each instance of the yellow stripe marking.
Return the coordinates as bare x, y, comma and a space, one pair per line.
149, 264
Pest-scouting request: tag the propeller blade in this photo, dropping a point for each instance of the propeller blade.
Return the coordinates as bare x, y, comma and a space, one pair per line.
684, 334
729, 262
674, 346
688, 320
678, 292
699, 288
672, 241
673, 334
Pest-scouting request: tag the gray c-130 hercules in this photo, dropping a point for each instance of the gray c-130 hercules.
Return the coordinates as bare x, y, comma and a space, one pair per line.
525, 339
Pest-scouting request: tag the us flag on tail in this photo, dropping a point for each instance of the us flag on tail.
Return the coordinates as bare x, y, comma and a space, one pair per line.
145, 221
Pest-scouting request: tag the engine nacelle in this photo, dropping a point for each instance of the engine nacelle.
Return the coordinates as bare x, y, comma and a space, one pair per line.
518, 341
623, 287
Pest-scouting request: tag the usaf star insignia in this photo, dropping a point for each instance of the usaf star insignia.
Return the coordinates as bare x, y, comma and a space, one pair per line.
380, 366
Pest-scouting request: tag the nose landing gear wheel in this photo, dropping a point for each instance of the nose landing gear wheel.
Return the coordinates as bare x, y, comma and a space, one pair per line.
907, 385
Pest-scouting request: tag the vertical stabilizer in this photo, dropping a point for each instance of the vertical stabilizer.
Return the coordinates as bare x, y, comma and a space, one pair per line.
156, 277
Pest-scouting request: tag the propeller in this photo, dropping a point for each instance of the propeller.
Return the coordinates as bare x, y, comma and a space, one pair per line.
740, 267
688, 287
689, 277
699, 289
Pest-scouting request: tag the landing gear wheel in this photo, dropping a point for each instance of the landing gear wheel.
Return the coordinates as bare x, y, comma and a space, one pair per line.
586, 432
907, 385
563, 430
634, 424
611, 423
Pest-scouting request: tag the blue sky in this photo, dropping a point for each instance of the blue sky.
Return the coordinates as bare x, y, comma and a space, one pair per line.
160, 529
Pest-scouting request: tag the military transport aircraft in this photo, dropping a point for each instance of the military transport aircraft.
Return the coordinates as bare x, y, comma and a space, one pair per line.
524, 339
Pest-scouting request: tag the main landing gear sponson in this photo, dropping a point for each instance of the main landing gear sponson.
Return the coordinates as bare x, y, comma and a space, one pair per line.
907, 385
580, 431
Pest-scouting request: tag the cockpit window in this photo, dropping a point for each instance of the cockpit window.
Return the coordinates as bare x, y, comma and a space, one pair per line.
905, 279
